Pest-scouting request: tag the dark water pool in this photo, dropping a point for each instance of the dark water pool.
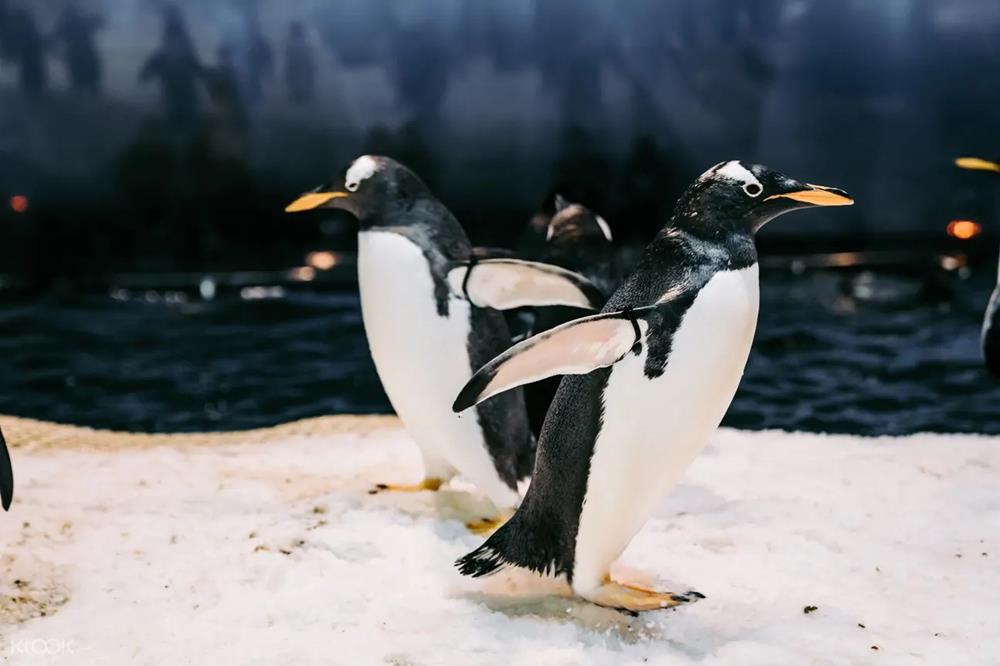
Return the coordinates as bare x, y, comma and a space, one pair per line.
870, 354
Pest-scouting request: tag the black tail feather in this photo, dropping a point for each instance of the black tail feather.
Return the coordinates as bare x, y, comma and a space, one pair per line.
481, 562
521, 542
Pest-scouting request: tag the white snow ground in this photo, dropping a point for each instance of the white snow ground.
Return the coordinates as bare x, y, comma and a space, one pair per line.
273, 553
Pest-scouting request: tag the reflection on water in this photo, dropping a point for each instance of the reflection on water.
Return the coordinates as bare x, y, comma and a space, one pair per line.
868, 356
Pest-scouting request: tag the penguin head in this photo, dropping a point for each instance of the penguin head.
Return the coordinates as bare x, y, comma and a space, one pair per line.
574, 224
741, 198
369, 187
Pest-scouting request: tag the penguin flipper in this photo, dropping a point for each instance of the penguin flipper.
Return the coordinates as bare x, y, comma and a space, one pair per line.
6, 475
574, 348
508, 283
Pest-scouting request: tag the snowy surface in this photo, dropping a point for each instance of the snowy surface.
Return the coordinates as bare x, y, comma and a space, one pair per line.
273, 553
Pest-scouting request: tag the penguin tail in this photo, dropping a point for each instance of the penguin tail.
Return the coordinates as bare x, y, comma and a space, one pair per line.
483, 561
518, 543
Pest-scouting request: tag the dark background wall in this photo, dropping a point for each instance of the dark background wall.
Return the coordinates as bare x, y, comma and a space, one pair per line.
167, 136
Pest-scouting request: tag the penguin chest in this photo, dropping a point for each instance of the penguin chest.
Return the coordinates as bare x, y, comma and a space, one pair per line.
421, 356
653, 428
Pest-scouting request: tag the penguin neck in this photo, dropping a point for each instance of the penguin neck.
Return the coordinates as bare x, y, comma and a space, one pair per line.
427, 223
710, 225
726, 246
399, 213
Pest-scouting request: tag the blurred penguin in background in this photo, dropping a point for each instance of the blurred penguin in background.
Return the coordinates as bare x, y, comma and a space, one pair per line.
24, 46
577, 239
990, 338
178, 70
75, 31
300, 66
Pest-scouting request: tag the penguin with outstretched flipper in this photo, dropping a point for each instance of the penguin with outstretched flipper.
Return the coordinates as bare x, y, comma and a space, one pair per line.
430, 312
648, 381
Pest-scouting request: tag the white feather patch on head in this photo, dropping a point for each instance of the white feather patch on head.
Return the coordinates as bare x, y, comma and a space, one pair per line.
733, 171
736, 171
361, 169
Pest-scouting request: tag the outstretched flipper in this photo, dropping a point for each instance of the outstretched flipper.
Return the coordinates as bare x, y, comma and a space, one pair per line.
505, 284
575, 348
6, 475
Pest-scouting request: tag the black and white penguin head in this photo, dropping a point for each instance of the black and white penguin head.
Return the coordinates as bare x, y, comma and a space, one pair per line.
368, 187
574, 224
737, 197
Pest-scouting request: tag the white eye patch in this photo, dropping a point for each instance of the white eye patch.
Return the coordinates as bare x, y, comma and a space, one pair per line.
361, 169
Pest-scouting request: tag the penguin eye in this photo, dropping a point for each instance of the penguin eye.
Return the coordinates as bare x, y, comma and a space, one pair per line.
352, 186
753, 189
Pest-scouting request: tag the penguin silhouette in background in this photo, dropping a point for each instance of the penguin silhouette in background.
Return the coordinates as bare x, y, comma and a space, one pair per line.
579, 240
6, 475
647, 382
76, 31
430, 315
990, 338
300, 65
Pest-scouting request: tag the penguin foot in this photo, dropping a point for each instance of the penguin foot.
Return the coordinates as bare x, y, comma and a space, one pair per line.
487, 526
427, 484
634, 599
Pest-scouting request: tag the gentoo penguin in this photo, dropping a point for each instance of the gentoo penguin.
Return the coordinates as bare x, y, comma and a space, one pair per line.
428, 311
648, 380
577, 239
990, 338
6, 475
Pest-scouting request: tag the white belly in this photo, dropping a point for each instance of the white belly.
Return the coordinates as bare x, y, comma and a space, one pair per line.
654, 428
422, 359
